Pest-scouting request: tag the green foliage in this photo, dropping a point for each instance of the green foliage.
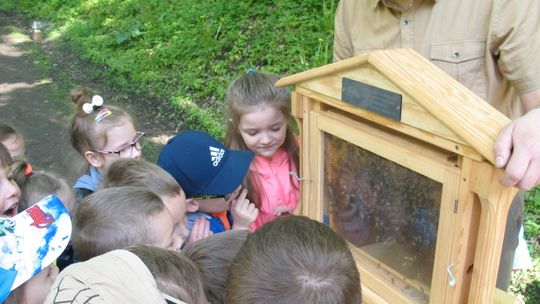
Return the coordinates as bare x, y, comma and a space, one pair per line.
526, 283
532, 215
191, 50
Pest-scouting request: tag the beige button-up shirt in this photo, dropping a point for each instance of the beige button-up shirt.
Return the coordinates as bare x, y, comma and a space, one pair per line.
490, 46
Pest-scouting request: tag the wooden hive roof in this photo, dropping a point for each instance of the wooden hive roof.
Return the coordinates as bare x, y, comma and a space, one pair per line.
433, 101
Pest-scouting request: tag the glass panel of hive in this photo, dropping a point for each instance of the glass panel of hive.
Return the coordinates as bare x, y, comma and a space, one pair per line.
388, 211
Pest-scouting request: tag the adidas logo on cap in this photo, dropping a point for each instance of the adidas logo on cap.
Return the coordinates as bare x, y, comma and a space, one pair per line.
216, 154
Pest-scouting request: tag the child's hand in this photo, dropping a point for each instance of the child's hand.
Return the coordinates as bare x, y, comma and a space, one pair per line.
243, 212
199, 230
282, 209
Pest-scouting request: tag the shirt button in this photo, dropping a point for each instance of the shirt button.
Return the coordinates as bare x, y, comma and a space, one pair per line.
456, 55
405, 22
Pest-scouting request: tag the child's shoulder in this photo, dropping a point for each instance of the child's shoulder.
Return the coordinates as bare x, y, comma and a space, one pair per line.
89, 181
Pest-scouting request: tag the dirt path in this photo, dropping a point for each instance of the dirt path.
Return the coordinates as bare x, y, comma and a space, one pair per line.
27, 102
35, 79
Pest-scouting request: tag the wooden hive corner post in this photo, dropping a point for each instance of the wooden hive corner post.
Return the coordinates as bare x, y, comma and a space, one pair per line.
495, 201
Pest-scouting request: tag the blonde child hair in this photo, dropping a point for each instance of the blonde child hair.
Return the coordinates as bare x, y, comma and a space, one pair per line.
294, 259
175, 274
213, 256
36, 185
249, 91
137, 172
133, 172
115, 218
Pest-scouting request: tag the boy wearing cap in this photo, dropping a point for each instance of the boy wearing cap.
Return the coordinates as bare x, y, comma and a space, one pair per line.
204, 167
137, 274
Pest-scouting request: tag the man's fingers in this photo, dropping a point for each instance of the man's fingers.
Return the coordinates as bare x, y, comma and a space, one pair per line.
531, 176
515, 167
503, 146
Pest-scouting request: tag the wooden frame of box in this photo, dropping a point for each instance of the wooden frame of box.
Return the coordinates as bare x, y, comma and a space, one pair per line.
442, 131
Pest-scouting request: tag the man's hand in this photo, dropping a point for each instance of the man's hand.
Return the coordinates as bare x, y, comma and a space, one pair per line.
517, 148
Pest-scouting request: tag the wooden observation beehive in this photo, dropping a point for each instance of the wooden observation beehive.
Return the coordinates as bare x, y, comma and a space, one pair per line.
397, 158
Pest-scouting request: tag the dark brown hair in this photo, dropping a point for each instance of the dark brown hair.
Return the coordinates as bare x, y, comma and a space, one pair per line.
294, 259
255, 89
214, 255
114, 218
175, 274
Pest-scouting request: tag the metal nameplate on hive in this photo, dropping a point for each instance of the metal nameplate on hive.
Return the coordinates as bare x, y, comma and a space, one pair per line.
374, 99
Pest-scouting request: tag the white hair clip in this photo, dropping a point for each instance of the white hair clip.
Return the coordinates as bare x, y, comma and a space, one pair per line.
97, 101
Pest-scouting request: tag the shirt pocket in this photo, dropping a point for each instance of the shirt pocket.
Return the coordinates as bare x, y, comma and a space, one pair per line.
464, 61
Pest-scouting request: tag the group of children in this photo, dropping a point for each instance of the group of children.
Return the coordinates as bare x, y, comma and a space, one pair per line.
176, 227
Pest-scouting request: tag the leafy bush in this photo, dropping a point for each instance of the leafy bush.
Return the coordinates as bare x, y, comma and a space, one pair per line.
532, 218
526, 284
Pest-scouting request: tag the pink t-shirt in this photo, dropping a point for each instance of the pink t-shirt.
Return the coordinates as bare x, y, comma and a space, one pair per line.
278, 186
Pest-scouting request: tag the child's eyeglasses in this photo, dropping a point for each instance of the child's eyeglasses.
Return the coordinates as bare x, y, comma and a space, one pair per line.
127, 150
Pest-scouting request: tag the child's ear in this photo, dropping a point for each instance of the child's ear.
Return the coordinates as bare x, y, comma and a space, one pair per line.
93, 158
192, 205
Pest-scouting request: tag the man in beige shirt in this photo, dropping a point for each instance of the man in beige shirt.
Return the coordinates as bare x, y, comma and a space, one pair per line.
490, 46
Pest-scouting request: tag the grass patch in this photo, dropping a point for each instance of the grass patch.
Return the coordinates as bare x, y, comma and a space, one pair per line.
188, 55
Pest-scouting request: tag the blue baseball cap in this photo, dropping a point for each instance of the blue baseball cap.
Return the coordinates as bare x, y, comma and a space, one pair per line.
202, 165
